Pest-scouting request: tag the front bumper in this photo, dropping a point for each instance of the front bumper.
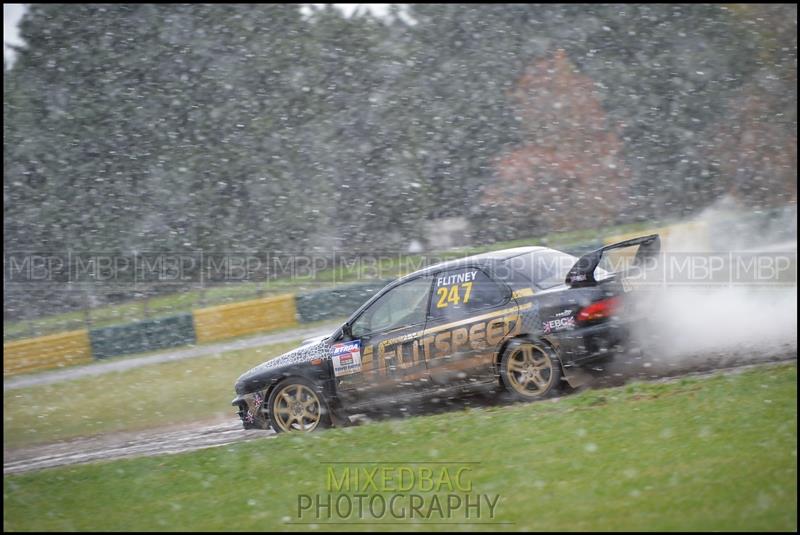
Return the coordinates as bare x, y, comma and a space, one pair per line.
252, 410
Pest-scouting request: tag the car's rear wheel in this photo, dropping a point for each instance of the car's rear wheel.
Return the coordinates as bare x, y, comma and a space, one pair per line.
530, 370
296, 405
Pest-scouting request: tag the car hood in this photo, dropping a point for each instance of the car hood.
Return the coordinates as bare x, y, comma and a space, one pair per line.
315, 339
258, 377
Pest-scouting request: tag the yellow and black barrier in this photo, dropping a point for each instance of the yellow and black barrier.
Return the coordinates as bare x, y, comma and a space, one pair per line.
248, 317
43, 352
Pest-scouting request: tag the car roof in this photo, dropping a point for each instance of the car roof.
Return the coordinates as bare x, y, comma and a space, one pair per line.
488, 260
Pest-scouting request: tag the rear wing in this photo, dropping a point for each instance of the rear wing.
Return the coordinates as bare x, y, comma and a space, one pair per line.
582, 273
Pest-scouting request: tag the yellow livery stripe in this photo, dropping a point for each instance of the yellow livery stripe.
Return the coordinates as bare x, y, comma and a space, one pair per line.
524, 292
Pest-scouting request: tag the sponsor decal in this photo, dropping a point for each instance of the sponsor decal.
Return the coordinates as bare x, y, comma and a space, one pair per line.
258, 399
559, 324
347, 358
477, 333
563, 313
457, 278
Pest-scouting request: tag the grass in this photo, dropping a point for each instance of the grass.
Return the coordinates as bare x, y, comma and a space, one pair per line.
713, 453
177, 392
154, 307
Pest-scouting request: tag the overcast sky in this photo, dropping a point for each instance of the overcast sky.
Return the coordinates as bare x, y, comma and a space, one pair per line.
12, 13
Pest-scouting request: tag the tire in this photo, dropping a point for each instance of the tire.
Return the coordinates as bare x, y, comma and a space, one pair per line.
295, 405
530, 370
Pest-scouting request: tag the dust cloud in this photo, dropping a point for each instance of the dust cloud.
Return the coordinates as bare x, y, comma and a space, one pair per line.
740, 301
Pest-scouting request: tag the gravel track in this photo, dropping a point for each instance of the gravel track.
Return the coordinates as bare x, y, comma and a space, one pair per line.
128, 444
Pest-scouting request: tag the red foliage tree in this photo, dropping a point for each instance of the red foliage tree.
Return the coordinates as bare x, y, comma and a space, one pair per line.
569, 173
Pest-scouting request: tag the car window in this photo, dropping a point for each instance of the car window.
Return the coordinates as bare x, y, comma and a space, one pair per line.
401, 306
547, 268
460, 292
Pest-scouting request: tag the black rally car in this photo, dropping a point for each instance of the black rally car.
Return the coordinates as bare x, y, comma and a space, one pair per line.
518, 319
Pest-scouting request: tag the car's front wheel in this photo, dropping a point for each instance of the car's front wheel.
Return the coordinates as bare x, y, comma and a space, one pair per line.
295, 405
530, 370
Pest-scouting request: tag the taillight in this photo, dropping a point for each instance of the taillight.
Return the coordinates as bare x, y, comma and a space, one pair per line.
600, 309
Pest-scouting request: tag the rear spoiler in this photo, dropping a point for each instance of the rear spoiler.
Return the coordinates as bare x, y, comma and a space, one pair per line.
582, 273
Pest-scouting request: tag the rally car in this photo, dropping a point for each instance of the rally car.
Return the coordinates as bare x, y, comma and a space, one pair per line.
517, 320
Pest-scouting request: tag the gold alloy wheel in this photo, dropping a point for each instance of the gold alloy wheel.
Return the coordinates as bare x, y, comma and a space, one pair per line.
530, 370
297, 408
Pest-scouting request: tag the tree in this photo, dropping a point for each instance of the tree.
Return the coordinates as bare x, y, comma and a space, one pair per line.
569, 172
754, 143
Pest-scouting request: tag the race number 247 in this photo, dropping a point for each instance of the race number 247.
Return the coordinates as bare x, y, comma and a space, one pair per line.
453, 294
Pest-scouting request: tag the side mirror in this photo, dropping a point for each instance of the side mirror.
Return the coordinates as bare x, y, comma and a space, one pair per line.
347, 331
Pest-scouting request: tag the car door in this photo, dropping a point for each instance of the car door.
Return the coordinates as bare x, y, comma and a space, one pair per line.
470, 314
388, 333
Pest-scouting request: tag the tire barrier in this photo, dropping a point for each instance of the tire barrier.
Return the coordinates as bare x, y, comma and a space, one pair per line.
142, 336
335, 302
43, 352
247, 317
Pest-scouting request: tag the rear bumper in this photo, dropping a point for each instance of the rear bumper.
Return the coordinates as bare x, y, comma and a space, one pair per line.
593, 342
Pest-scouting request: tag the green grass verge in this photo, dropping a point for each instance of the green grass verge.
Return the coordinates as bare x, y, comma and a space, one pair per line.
137, 310
716, 453
198, 388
